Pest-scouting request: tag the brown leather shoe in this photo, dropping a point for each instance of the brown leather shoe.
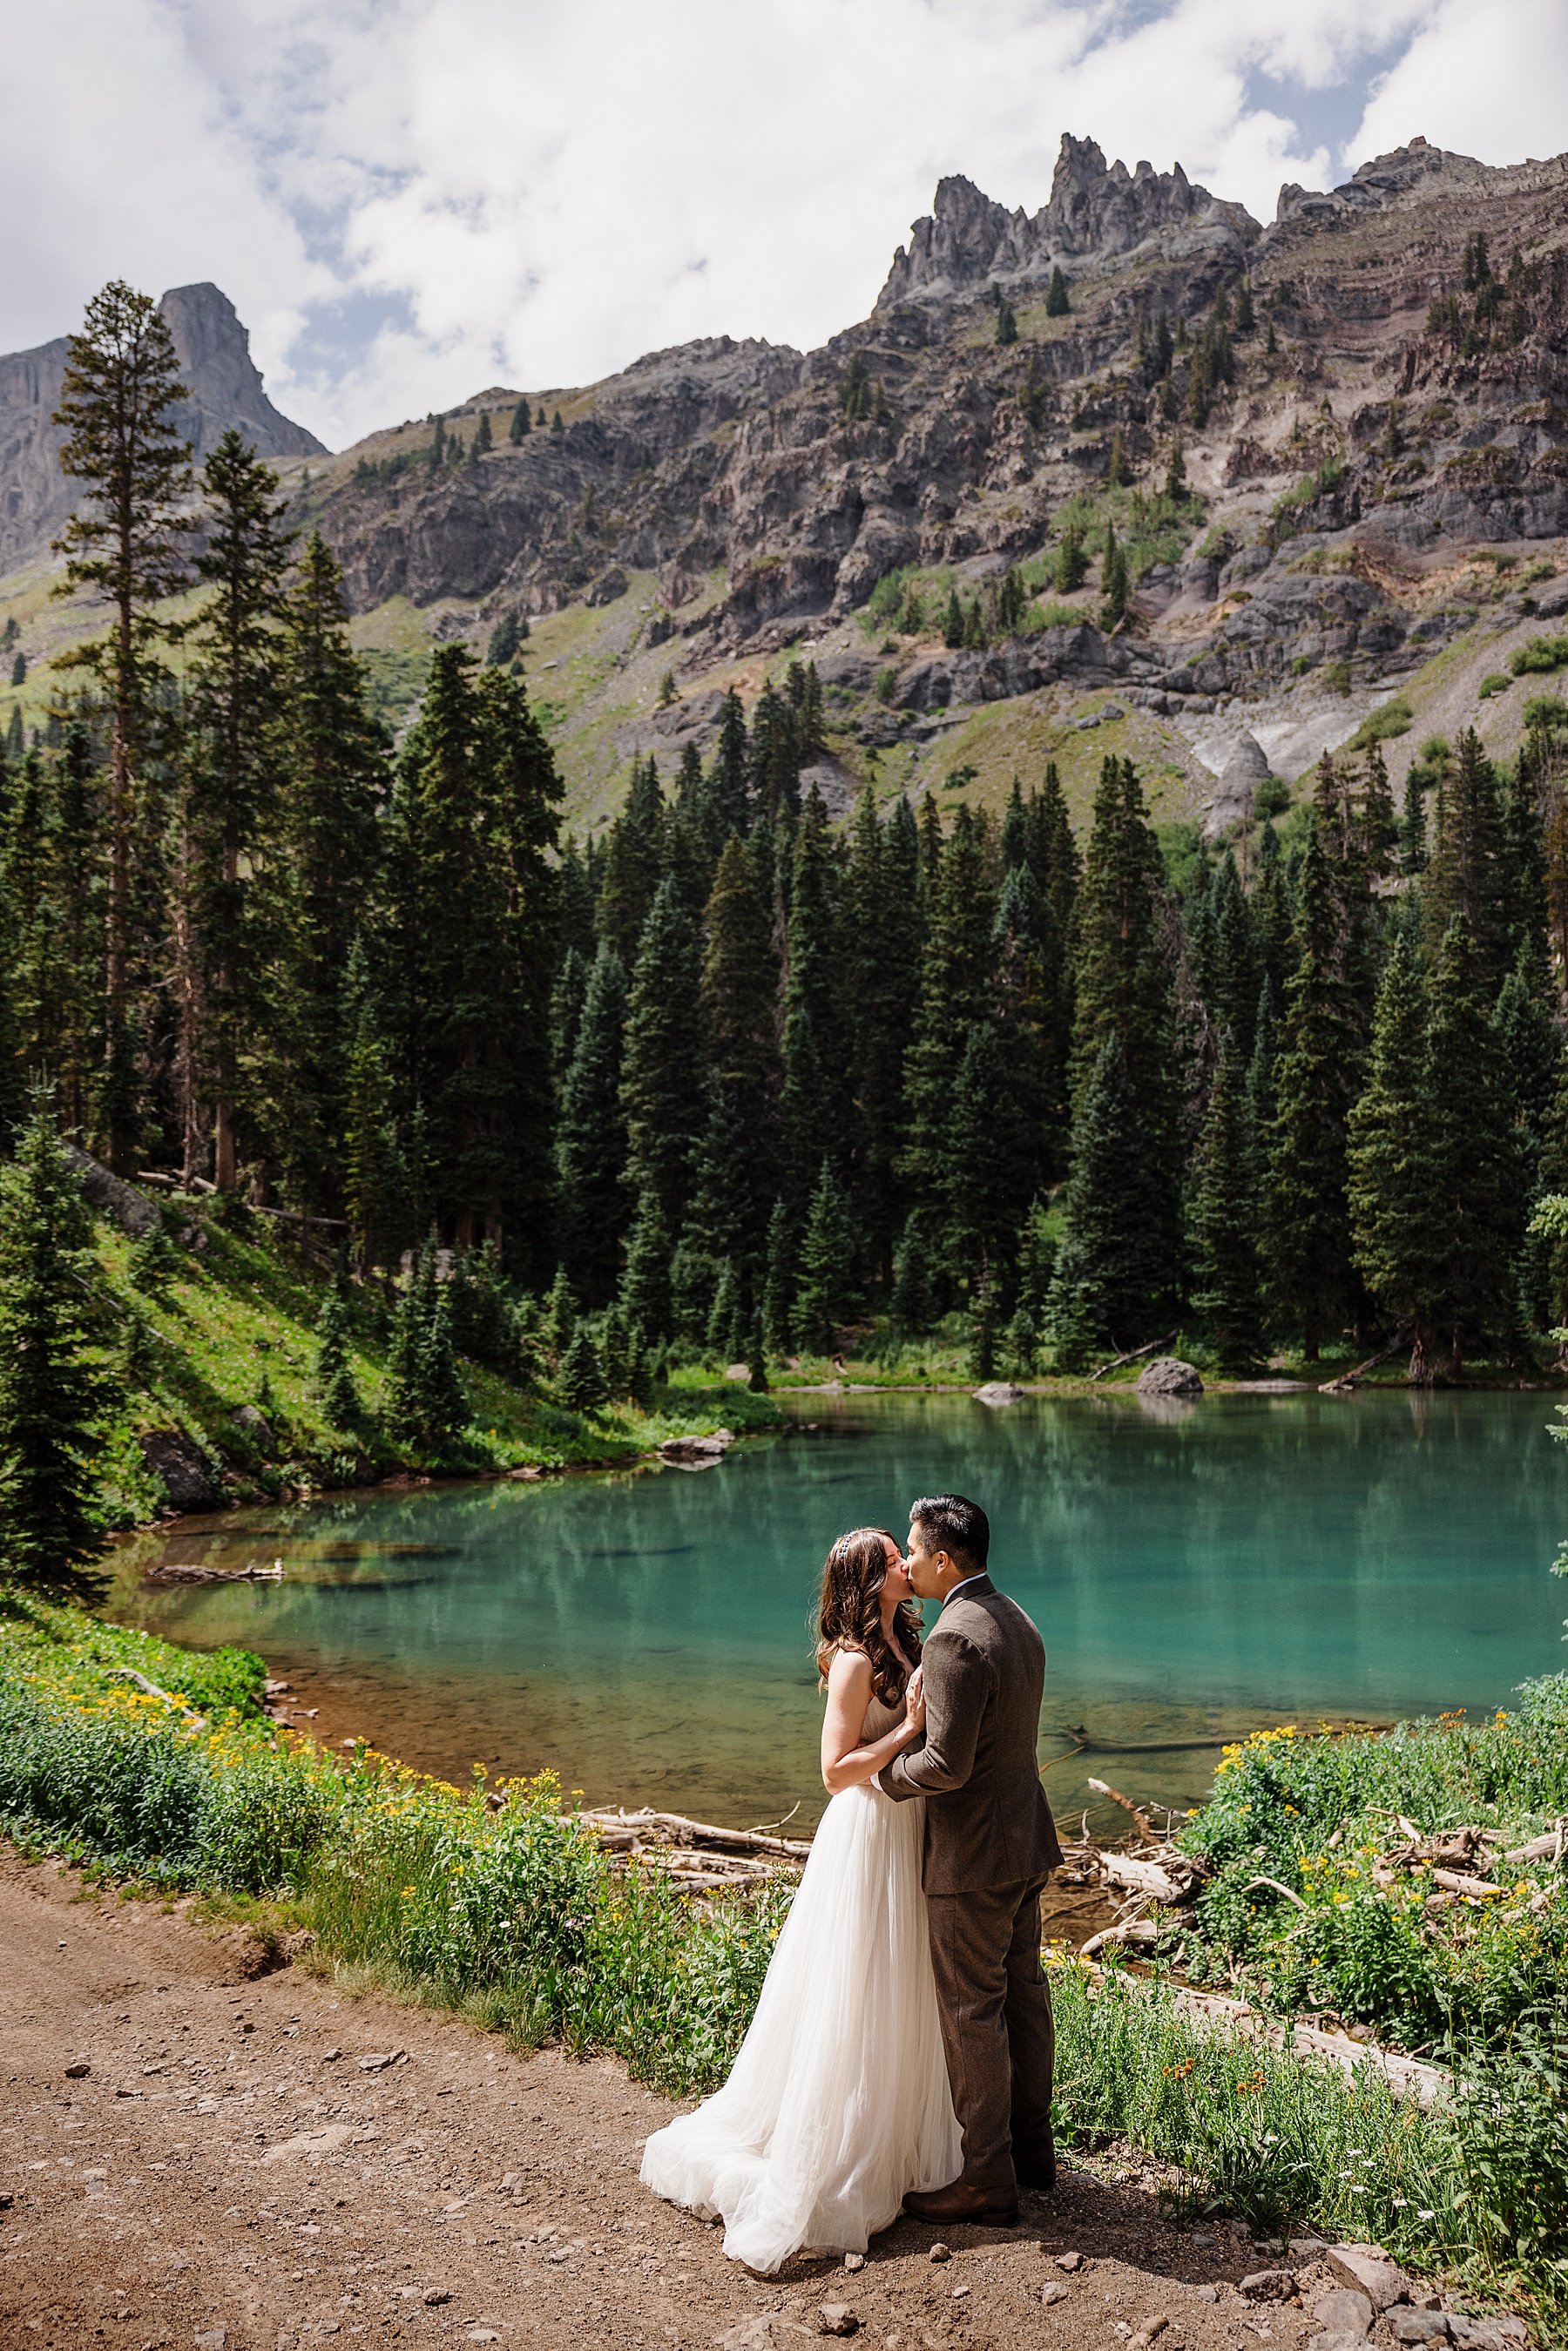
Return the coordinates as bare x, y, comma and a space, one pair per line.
943, 2206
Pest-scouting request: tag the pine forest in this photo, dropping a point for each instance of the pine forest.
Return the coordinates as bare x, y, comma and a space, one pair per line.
729, 1081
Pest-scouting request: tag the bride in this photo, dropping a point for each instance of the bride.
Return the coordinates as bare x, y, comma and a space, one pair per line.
838, 2102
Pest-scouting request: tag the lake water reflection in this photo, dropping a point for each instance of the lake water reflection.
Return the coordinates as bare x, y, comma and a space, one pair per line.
1194, 1573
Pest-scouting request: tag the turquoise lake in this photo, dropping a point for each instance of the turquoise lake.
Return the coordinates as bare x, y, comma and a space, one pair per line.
1195, 1569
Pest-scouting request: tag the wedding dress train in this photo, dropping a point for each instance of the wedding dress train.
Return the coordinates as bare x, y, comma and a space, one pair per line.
838, 2102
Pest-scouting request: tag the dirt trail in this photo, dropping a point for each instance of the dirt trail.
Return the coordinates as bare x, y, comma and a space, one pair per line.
234, 2173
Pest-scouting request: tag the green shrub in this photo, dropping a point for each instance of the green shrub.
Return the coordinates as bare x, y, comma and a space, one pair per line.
1270, 798
1379, 726
1541, 657
886, 684
1353, 1934
1497, 682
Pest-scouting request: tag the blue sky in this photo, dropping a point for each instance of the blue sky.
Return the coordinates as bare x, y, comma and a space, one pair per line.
410, 200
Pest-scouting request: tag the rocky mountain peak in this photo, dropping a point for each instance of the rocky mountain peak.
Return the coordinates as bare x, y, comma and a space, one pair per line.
225, 389
1096, 212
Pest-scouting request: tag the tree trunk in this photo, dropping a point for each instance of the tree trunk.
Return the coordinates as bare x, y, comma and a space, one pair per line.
1422, 1370
117, 912
187, 997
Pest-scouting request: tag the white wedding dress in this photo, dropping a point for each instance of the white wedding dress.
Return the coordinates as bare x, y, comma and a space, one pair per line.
838, 2102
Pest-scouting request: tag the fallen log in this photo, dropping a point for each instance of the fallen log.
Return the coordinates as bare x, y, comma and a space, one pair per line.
1147, 1878
675, 1828
1132, 1354
1103, 1788
1541, 1848
1349, 1381
175, 1571
169, 1698
1406, 2076
1136, 1931
1454, 1881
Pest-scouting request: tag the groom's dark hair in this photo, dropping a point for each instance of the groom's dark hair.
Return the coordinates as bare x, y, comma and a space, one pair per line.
961, 1529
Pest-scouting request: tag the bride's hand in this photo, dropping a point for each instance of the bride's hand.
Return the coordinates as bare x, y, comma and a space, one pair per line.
915, 1702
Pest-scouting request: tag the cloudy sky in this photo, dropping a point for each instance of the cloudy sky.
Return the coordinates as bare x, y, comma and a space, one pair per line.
409, 200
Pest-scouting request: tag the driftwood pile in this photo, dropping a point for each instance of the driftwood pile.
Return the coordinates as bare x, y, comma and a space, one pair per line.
695, 1856
1462, 1863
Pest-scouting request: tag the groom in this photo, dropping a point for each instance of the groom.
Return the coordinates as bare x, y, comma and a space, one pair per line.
990, 1844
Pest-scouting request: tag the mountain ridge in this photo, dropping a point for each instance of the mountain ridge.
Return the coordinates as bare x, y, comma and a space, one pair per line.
214, 349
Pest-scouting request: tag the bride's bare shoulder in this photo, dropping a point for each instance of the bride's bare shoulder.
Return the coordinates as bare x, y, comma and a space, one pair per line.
847, 1664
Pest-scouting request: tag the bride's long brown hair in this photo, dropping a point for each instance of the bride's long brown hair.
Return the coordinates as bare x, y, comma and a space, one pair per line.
849, 1614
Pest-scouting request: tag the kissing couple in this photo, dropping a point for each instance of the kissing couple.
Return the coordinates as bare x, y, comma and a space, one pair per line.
902, 2052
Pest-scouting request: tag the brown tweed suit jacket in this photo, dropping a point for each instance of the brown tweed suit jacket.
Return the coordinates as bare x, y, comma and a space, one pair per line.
988, 1823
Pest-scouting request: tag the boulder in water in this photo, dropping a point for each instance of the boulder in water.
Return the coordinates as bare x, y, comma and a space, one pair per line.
1168, 1375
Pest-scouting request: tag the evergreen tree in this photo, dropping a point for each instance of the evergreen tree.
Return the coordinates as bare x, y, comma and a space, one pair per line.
778, 1287
591, 1137
374, 1176
51, 1394
956, 997
484, 438
816, 1110
1527, 1039
334, 1372
736, 1160
882, 880
581, 1383
953, 622
729, 794
1072, 567
636, 853
1007, 322
1056, 302
1466, 875
914, 1303
124, 545
1232, 978
227, 801
464, 951
425, 1406
521, 424
1389, 1157
1479, 1203
661, 1072
1316, 1078
645, 1281
1225, 1221
824, 1291
1116, 1272
320, 867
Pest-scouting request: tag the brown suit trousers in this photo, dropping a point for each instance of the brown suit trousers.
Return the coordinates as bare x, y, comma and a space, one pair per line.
990, 1845
996, 2031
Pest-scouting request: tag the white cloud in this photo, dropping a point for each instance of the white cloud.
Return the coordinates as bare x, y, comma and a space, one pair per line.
409, 199
1485, 81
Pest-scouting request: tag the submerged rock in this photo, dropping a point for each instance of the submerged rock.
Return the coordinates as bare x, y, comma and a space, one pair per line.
999, 1392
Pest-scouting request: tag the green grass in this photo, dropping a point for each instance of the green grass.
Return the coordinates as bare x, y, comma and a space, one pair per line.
232, 1322
493, 1902
1380, 725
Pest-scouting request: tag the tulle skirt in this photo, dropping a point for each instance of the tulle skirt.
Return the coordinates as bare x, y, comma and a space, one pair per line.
838, 2102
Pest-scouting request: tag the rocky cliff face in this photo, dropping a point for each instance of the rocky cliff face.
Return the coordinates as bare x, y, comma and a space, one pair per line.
1095, 214
1379, 405
35, 497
